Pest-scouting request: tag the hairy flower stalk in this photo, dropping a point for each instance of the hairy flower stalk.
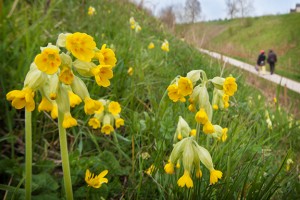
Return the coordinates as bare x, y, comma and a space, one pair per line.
28, 155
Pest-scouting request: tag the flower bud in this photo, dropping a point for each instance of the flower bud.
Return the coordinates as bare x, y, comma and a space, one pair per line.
35, 78
79, 88
84, 68
218, 82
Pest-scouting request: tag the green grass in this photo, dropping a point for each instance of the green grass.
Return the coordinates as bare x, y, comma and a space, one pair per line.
244, 38
252, 159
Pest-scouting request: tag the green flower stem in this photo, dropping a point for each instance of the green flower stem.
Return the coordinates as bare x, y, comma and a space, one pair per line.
121, 153
28, 155
65, 157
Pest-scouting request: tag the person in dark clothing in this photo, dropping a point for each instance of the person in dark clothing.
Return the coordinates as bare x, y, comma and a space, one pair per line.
272, 59
261, 59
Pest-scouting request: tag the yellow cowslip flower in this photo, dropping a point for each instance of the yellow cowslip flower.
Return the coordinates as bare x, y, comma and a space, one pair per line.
131, 21
48, 60
230, 86
81, 45
74, 99
90, 105
94, 122
179, 136
114, 108
107, 129
214, 176
177, 165
201, 116
22, 98
45, 105
69, 121
165, 46
130, 71
66, 76
132, 26
199, 173
192, 108
151, 45
95, 181
102, 74
91, 11
150, 170
275, 100
169, 168
224, 134
108, 56
193, 132
208, 128
119, 122
185, 86
54, 111
101, 109
185, 180
215, 107
174, 94
226, 100
138, 28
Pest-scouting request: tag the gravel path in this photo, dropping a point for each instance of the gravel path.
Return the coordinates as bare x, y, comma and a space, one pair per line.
290, 84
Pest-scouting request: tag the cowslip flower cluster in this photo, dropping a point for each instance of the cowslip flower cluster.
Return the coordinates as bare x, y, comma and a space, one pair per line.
134, 25
107, 117
95, 181
52, 74
187, 151
165, 46
91, 11
151, 45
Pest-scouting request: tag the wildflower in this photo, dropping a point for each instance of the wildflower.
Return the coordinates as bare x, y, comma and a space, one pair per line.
90, 105
48, 60
226, 100
275, 100
173, 93
91, 11
192, 108
95, 181
230, 86
185, 86
119, 122
201, 116
108, 56
165, 46
289, 162
45, 105
138, 28
208, 128
69, 121
214, 176
81, 45
151, 45
102, 74
130, 71
215, 107
150, 170
54, 111
114, 108
22, 98
74, 99
224, 134
193, 132
185, 180
199, 173
66, 76
169, 168
107, 129
94, 122
132, 21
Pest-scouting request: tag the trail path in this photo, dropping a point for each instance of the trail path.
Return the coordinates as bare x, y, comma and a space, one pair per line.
290, 84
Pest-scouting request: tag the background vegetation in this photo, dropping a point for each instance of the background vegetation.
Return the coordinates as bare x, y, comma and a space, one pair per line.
253, 159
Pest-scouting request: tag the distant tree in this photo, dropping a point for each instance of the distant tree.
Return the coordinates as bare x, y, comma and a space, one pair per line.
167, 16
232, 8
192, 10
245, 7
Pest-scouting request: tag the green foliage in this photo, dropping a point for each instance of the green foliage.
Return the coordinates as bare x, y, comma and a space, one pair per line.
252, 160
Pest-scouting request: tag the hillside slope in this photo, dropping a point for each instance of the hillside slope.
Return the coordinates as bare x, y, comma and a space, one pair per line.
244, 38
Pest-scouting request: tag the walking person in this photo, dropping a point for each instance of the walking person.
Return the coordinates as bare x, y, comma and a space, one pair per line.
272, 59
260, 60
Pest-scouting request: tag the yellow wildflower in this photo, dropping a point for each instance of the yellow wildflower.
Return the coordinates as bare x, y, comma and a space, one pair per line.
214, 176
74, 99
119, 122
81, 45
185, 86
94, 122
169, 168
114, 108
226, 100
69, 121
90, 105
151, 45
54, 111
230, 86
91, 11
66, 76
22, 98
45, 105
95, 181
185, 180
193, 132
108, 56
179, 136
165, 46
199, 173
48, 60
107, 129
224, 134
130, 71
275, 100
174, 94
102, 74
192, 108
150, 170
215, 107
201, 116
208, 128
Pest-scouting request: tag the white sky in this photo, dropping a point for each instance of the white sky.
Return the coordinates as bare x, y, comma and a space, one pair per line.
215, 9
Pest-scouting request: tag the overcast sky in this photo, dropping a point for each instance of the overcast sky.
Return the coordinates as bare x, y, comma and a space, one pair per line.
216, 9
